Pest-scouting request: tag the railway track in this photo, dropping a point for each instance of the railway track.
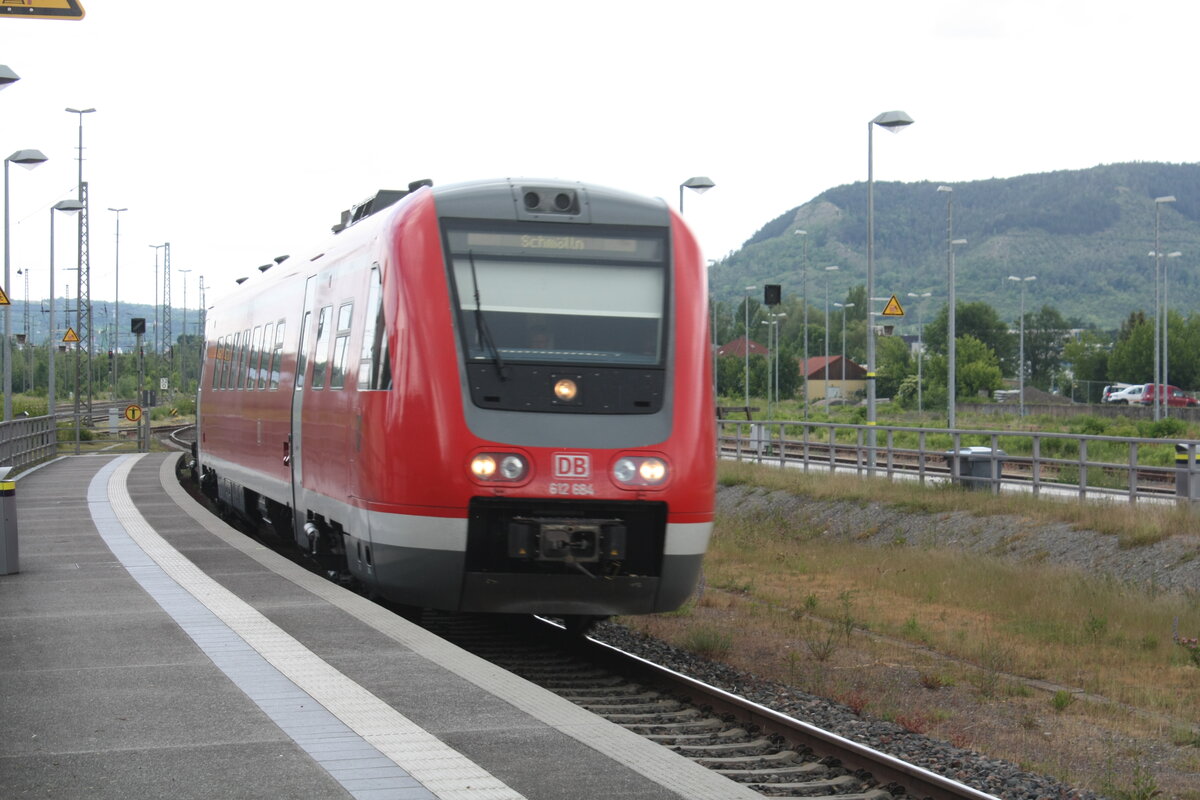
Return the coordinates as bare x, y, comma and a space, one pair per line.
766, 751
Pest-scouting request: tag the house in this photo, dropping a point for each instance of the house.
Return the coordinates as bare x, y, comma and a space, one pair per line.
737, 347
833, 377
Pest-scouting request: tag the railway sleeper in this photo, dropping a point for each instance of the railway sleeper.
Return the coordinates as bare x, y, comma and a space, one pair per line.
759, 745
727, 736
813, 770
708, 725
665, 710
842, 786
619, 699
741, 762
616, 687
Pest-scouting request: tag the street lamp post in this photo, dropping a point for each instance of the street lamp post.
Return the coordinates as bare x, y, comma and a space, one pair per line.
1021, 354
1158, 204
952, 309
117, 302
699, 185
843, 307
1166, 378
157, 339
920, 347
894, 121
68, 207
804, 300
746, 369
28, 159
183, 336
827, 271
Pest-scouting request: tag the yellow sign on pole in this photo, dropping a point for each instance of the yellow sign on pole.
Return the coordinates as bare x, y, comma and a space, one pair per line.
893, 309
3, 297
71, 337
41, 9
133, 413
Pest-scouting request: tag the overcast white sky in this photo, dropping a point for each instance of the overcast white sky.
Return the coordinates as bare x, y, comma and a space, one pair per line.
238, 131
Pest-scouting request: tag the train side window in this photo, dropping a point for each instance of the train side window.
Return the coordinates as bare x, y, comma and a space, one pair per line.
321, 354
217, 351
373, 366
230, 370
302, 355
345, 313
277, 356
255, 355
243, 358
267, 350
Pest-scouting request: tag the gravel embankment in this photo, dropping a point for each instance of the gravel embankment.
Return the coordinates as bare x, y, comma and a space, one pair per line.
1171, 565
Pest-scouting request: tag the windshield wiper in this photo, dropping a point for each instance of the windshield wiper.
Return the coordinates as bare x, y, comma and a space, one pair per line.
481, 329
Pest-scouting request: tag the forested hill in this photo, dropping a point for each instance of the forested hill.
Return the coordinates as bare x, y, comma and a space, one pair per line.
1085, 234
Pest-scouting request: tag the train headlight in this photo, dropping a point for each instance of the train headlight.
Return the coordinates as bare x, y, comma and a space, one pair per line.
499, 467
566, 390
483, 466
640, 471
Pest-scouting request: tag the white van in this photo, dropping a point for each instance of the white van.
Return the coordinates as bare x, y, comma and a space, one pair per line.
1130, 395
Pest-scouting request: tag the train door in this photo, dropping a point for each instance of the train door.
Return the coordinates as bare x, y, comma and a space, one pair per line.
295, 440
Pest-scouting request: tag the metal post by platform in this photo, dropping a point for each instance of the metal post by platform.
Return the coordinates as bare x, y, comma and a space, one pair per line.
8, 524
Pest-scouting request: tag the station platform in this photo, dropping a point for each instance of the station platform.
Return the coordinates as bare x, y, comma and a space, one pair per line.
148, 650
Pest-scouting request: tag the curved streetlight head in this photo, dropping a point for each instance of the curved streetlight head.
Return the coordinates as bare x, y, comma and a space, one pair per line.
894, 121
1170, 198
1176, 254
922, 294
69, 206
27, 158
799, 232
844, 305
81, 110
832, 269
945, 188
1028, 278
958, 241
118, 210
7, 76
699, 184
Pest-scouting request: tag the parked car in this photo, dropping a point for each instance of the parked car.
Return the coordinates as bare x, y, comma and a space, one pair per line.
1129, 395
1107, 394
1174, 395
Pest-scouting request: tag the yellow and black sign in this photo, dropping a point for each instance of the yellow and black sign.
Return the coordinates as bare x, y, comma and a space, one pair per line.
71, 337
133, 413
41, 9
3, 297
893, 309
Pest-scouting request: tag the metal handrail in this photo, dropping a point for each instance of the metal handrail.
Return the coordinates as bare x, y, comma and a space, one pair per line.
1039, 462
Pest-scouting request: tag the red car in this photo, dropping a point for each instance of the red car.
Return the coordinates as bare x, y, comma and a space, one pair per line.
1174, 395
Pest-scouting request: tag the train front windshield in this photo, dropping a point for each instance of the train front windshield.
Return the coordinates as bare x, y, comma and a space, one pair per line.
560, 294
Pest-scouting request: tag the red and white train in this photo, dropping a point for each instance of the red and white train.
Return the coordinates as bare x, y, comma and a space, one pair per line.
492, 396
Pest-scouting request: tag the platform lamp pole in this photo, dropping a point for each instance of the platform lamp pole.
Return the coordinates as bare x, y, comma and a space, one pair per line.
746, 368
1021, 356
804, 300
28, 159
1166, 321
827, 271
67, 207
699, 185
920, 346
894, 121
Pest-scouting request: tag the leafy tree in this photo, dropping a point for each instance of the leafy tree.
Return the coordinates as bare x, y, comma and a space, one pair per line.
1132, 357
980, 321
1088, 357
1046, 334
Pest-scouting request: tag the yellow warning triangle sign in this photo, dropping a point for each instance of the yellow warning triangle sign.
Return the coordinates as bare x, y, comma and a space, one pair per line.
3, 298
893, 309
70, 336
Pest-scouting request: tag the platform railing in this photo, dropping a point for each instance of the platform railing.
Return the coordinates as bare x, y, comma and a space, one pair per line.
25, 441
1044, 464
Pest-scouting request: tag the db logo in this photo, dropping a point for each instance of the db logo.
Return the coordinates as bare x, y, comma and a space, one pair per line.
577, 466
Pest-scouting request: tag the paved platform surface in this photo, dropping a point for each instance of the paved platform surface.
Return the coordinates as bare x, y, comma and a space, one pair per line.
148, 650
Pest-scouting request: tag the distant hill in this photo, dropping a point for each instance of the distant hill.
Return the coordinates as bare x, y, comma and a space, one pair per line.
1085, 234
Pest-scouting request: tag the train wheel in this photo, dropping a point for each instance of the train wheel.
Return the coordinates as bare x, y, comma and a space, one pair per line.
578, 625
